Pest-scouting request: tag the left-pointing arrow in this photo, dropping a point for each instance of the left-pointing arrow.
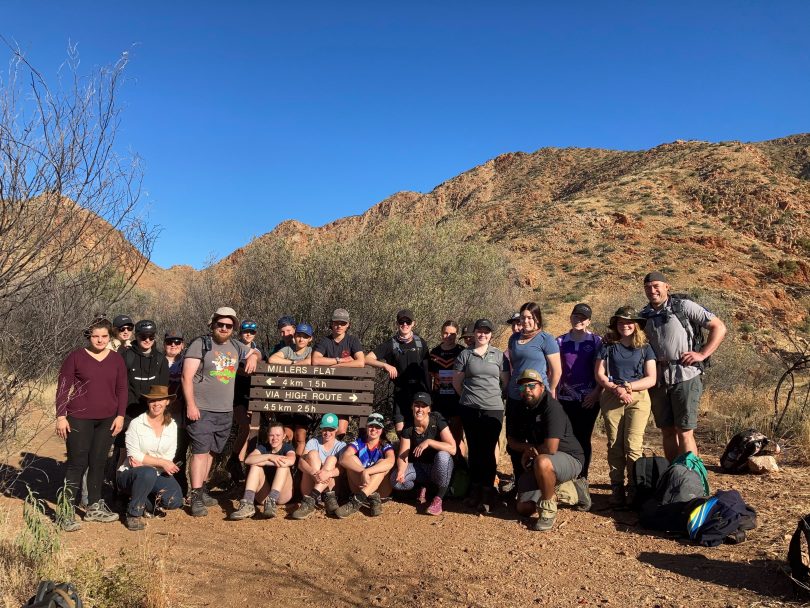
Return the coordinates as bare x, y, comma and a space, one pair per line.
270, 381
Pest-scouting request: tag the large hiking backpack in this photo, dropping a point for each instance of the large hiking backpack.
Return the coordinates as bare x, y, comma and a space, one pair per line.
680, 484
693, 462
53, 595
799, 557
724, 518
742, 446
647, 472
695, 336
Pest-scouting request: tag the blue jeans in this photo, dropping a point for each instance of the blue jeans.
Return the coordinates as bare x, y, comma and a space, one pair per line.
145, 484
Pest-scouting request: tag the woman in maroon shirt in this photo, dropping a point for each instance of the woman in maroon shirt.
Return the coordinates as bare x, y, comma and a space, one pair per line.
91, 399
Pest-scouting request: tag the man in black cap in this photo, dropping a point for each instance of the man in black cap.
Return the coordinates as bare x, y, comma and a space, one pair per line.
405, 358
674, 328
123, 326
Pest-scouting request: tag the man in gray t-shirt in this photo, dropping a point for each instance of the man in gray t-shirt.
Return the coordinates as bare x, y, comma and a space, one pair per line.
676, 397
209, 376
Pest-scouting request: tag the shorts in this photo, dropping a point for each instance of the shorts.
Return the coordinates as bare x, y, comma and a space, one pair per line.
210, 433
566, 468
677, 405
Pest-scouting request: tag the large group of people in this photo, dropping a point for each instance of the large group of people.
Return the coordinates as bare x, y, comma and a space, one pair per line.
152, 407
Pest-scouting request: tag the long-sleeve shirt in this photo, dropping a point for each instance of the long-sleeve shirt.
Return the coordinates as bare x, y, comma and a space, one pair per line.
92, 389
141, 441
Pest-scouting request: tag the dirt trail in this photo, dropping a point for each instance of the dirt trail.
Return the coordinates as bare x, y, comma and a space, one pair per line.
403, 558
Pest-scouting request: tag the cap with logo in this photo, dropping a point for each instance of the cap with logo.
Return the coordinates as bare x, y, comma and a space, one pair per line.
422, 397
483, 324
145, 327
515, 318
530, 375
329, 421
376, 419
304, 328
121, 320
173, 334
582, 309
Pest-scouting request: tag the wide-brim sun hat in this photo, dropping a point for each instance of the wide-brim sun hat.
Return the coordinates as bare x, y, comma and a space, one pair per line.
225, 312
627, 313
157, 392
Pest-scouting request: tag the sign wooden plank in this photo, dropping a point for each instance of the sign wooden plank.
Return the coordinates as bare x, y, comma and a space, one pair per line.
274, 369
272, 394
309, 408
318, 382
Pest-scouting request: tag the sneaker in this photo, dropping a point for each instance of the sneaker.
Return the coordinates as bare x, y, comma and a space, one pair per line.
349, 508
422, 498
135, 523
198, 504
435, 507
617, 499
70, 524
583, 495
208, 500
269, 508
548, 513
99, 511
306, 509
490, 502
375, 504
245, 510
330, 502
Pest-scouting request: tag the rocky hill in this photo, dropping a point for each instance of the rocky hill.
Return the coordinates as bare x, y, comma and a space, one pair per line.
580, 223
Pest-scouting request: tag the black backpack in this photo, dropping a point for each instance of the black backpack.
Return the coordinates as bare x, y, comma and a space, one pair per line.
799, 558
647, 472
728, 521
742, 446
52, 595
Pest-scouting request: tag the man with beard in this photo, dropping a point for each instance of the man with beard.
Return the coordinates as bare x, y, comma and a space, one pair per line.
209, 373
550, 454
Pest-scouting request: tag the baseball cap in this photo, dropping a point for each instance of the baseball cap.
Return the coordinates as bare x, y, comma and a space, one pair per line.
304, 328
329, 421
513, 319
405, 313
249, 326
422, 397
530, 375
285, 321
121, 320
174, 333
224, 311
376, 419
483, 324
341, 314
582, 309
655, 276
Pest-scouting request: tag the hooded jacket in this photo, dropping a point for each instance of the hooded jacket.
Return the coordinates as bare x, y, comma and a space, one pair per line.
143, 371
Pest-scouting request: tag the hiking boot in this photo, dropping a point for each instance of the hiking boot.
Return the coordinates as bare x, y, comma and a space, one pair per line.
198, 504
99, 511
435, 507
375, 504
70, 523
617, 499
135, 523
330, 502
306, 509
208, 500
422, 497
630, 495
548, 513
349, 508
490, 502
269, 508
583, 495
245, 510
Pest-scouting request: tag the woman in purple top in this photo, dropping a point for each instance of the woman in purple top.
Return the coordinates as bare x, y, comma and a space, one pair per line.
91, 399
578, 391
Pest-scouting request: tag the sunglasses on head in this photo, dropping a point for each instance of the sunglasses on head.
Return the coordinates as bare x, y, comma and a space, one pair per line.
528, 386
222, 325
173, 341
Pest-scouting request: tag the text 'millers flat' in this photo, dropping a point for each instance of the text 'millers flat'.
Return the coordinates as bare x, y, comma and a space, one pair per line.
312, 389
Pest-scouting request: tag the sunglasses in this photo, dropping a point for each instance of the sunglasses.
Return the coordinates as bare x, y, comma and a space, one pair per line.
341, 323
144, 338
529, 386
126, 328
221, 325
173, 341
404, 321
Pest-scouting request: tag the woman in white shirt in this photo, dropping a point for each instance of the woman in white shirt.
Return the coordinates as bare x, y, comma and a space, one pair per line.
146, 475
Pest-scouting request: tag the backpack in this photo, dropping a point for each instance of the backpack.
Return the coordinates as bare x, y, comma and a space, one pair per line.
695, 336
724, 518
799, 557
397, 347
52, 595
679, 484
647, 472
207, 345
693, 462
742, 446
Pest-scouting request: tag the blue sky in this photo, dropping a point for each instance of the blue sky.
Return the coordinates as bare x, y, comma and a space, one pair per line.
250, 113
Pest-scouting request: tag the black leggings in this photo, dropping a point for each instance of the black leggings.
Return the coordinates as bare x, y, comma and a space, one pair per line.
88, 444
482, 429
582, 422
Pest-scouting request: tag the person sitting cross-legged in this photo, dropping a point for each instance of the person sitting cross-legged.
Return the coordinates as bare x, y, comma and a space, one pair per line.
319, 469
367, 461
550, 454
269, 478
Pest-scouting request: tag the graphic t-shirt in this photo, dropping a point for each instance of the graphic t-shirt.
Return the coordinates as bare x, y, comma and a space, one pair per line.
626, 364
368, 456
441, 364
315, 444
215, 391
434, 428
577, 360
347, 347
410, 359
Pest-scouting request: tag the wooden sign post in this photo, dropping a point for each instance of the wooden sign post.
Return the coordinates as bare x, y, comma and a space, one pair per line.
311, 389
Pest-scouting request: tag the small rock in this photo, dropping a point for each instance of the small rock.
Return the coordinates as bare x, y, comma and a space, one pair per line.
762, 464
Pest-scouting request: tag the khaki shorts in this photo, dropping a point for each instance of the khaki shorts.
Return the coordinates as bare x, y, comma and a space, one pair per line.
677, 405
566, 468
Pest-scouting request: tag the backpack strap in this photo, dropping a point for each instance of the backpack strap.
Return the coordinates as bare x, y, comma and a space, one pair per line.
800, 572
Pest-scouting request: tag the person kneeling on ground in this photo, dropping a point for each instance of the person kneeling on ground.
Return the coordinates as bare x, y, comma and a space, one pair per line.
151, 441
269, 477
367, 461
319, 469
426, 453
550, 454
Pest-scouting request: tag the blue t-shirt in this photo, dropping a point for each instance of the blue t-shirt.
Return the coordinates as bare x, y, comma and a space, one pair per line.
626, 364
531, 355
315, 444
369, 457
